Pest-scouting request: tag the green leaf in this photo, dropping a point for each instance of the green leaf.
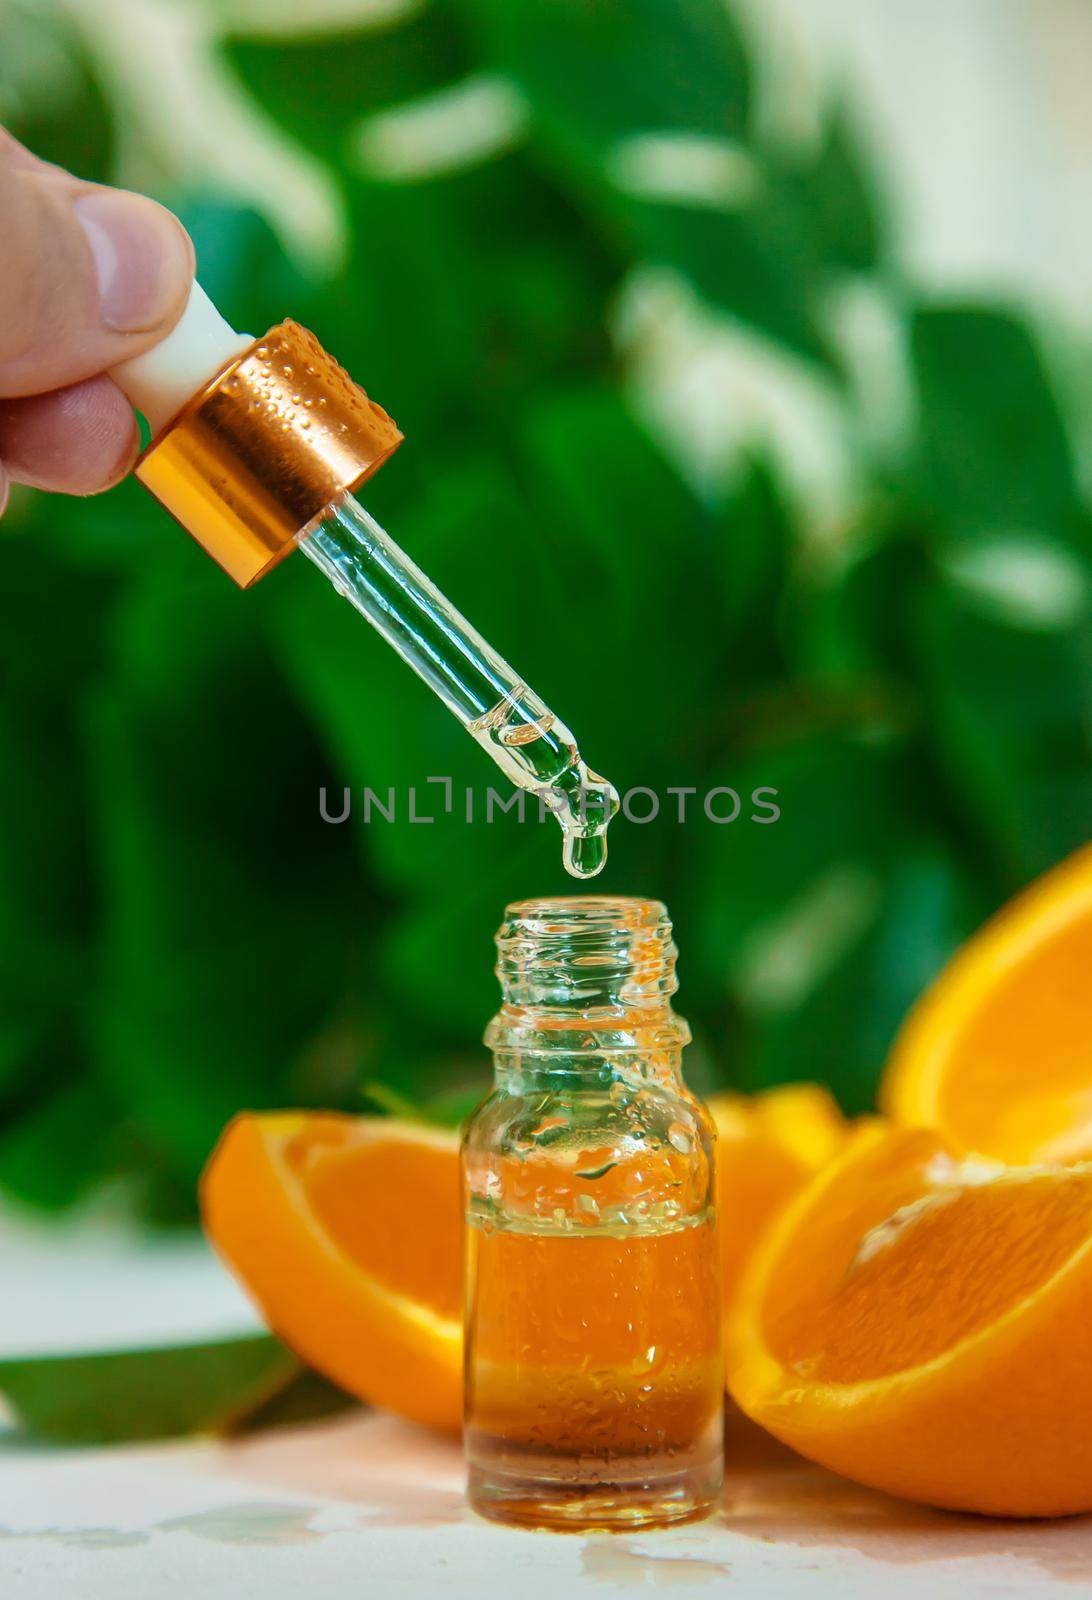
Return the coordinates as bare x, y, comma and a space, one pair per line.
750, 263
842, 800
793, 925
244, 270
359, 71
753, 561
852, 619
993, 452
617, 514
882, 939
839, 208
497, 282
218, 876
1011, 712
597, 72
50, 97
121, 1396
64, 1135
98, 542
51, 644
433, 951
604, 80
633, 551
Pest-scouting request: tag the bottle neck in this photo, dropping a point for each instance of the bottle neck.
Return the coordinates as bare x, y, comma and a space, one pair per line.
548, 1064
587, 985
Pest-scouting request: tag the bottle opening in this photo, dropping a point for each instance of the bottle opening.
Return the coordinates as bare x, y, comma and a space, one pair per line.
587, 953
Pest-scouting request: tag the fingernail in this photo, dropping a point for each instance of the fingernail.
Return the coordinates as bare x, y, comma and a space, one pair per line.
142, 258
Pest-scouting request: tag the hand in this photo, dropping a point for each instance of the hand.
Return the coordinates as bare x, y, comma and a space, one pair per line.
88, 277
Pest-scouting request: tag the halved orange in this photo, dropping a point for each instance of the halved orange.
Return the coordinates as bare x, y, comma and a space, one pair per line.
920, 1323
347, 1232
998, 1053
768, 1146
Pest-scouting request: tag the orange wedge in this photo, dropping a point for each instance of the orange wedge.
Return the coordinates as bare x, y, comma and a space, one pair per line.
347, 1231
919, 1322
998, 1053
768, 1146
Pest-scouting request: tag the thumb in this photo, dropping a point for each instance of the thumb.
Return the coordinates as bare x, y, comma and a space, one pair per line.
88, 276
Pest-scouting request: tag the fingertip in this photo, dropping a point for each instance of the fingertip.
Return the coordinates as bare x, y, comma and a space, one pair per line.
142, 257
89, 277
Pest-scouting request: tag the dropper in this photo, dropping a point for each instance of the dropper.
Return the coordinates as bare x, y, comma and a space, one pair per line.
256, 448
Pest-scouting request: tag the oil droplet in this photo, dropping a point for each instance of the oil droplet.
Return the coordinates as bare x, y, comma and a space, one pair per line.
587, 804
584, 857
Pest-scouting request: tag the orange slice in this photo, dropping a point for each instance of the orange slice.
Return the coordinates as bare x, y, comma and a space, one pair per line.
768, 1146
347, 1231
998, 1053
919, 1323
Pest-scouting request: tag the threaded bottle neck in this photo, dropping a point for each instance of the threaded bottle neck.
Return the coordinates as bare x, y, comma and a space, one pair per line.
598, 968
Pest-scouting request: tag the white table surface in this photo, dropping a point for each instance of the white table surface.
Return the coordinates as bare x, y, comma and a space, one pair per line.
364, 1505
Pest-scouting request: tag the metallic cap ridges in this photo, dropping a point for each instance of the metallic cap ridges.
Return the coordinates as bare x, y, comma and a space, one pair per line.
273, 440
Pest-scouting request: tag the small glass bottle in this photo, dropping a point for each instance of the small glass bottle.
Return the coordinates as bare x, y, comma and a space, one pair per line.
594, 1378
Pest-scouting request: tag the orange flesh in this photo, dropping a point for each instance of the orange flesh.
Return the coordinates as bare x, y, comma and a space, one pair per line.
1020, 1073
918, 1324
372, 1199
755, 1178
997, 1054
768, 1146
346, 1231
892, 1270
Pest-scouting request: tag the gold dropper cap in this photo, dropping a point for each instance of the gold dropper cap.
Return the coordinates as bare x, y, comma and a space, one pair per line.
266, 446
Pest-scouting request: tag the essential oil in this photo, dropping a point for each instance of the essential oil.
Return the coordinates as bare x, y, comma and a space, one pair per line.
594, 1378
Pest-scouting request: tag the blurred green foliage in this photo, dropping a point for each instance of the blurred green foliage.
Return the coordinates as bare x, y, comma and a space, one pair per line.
180, 933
